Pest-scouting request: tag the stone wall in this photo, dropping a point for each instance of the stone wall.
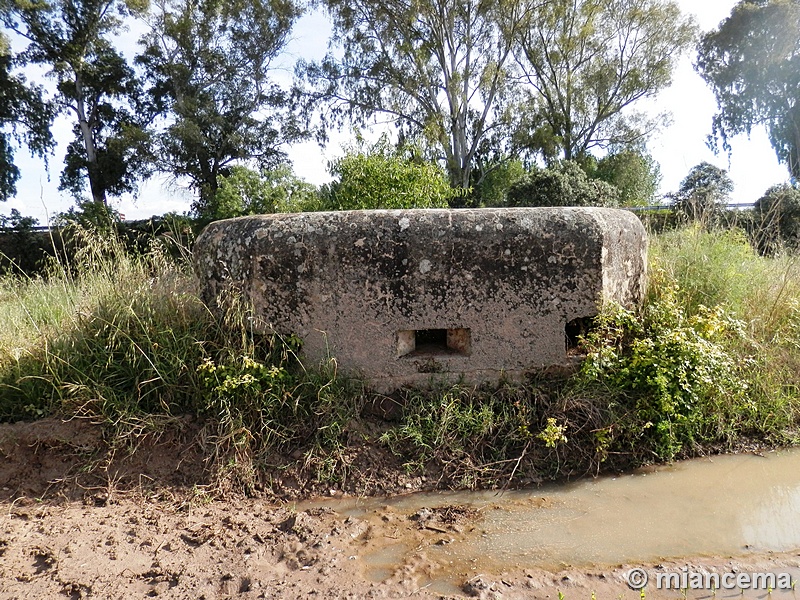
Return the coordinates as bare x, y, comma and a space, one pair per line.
401, 296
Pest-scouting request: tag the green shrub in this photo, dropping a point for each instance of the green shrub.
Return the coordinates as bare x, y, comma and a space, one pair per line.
672, 370
563, 184
495, 180
21, 249
720, 268
476, 435
248, 192
384, 177
635, 174
125, 340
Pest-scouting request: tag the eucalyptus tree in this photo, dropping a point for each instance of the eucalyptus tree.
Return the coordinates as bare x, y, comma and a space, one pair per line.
752, 63
73, 39
586, 63
208, 65
437, 69
24, 117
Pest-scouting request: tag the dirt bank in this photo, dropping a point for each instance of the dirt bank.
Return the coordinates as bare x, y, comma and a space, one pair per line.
78, 523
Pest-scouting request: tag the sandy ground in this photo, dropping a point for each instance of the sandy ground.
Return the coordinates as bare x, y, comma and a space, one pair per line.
67, 536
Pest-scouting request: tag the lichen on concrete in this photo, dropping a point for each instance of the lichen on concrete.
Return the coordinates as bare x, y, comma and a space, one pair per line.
399, 295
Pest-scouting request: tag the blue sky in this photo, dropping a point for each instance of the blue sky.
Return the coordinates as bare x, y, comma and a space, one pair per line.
752, 165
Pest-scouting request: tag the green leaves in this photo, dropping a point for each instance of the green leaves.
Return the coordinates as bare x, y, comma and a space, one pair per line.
25, 117
384, 178
671, 368
563, 184
94, 84
634, 173
553, 79
247, 192
207, 64
586, 62
752, 63
777, 220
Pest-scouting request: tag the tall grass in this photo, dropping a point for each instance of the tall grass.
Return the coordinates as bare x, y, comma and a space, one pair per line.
763, 293
113, 336
720, 268
123, 338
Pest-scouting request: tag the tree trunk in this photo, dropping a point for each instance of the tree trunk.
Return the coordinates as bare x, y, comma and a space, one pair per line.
95, 185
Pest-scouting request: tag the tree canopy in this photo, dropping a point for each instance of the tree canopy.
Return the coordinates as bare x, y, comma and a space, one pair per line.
208, 64
248, 192
752, 63
704, 190
24, 117
436, 68
94, 83
483, 89
587, 61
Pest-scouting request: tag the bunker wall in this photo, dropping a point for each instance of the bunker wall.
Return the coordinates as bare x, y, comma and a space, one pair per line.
397, 296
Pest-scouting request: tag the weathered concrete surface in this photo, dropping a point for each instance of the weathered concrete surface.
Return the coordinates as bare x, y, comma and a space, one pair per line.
398, 295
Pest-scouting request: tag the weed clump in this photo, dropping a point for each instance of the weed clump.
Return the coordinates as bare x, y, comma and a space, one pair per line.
671, 377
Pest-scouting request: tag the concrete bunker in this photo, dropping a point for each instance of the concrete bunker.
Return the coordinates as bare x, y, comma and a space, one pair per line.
397, 295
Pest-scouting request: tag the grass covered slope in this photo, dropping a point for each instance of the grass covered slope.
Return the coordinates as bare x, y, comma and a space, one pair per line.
710, 363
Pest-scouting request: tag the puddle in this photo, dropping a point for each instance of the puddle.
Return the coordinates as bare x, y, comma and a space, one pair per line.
725, 505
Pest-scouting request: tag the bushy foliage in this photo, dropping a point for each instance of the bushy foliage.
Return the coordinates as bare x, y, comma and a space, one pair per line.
260, 398
20, 247
495, 180
248, 192
101, 336
670, 368
209, 72
563, 184
635, 174
24, 117
89, 215
384, 177
777, 219
124, 339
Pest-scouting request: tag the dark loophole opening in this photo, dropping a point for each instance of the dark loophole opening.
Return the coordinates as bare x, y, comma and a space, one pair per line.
576, 329
431, 340
427, 342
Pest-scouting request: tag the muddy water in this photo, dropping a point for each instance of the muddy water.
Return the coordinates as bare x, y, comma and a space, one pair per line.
725, 505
